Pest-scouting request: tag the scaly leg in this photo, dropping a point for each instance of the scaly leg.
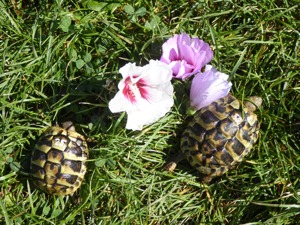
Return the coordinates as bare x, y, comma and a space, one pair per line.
171, 165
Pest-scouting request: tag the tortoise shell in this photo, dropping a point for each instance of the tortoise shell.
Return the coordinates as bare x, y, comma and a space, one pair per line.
219, 136
58, 161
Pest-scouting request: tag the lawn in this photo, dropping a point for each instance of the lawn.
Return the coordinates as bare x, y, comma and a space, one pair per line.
60, 61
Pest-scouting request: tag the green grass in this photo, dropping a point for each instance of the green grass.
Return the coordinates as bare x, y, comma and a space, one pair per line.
60, 60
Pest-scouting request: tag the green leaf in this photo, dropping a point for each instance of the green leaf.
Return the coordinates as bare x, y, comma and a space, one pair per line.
129, 9
153, 24
65, 23
100, 163
113, 6
57, 212
72, 53
141, 11
9, 159
9, 150
80, 63
87, 57
15, 166
46, 210
96, 6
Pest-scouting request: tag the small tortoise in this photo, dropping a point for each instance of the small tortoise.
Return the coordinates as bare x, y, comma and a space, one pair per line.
219, 136
58, 160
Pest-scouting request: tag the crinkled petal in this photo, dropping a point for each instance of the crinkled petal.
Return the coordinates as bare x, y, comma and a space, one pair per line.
207, 87
186, 52
119, 103
185, 56
202, 48
181, 69
130, 69
156, 73
146, 93
170, 50
137, 119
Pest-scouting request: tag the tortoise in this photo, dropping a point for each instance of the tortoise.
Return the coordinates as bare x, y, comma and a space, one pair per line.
58, 161
219, 136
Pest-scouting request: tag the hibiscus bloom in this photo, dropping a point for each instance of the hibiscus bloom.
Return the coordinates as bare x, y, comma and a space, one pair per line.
208, 87
185, 56
145, 93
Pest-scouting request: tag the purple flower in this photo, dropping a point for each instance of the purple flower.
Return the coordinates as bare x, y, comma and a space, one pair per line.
185, 56
208, 86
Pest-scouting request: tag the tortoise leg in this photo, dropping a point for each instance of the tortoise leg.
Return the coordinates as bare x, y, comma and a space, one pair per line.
206, 179
171, 165
213, 173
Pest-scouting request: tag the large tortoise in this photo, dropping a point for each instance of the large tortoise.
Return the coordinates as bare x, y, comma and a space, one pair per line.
219, 136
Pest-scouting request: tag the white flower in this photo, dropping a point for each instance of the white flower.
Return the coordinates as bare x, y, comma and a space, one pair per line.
145, 93
208, 87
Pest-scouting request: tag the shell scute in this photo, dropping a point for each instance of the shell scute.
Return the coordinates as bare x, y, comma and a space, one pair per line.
227, 128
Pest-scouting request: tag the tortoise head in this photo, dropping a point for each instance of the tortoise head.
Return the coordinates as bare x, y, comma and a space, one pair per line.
68, 125
253, 103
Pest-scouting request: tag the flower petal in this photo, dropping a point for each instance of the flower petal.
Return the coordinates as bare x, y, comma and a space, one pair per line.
137, 119
185, 56
207, 87
130, 69
170, 50
156, 73
145, 93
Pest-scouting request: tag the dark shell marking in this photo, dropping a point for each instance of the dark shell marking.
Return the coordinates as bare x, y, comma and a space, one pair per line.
58, 161
219, 136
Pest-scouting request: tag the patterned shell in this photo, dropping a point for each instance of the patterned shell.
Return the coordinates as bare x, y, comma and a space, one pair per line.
58, 161
219, 136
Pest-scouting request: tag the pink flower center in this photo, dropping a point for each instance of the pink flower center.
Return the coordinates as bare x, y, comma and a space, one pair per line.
133, 91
